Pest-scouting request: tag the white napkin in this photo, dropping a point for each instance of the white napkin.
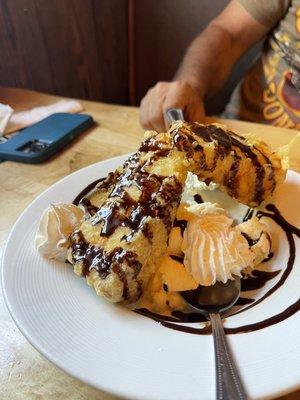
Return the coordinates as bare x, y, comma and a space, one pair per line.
5, 114
18, 120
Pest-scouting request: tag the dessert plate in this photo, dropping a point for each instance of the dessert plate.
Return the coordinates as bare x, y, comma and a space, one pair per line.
135, 357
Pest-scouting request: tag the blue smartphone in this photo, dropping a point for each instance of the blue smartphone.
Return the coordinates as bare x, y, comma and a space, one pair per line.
40, 141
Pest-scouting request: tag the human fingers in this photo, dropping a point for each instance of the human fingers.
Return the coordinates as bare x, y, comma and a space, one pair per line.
151, 114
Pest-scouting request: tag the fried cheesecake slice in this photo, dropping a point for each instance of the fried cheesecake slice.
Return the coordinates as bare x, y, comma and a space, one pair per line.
128, 220
246, 168
130, 214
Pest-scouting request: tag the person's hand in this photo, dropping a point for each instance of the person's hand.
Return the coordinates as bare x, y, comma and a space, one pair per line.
165, 95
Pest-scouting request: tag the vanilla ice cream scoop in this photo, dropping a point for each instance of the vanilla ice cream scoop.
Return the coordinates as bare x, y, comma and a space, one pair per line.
56, 224
194, 186
205, 245
213, 248
255, 232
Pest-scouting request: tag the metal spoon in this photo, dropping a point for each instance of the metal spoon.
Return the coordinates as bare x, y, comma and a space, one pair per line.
211, 301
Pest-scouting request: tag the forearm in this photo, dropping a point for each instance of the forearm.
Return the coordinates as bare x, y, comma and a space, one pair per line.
209, 60
205, 67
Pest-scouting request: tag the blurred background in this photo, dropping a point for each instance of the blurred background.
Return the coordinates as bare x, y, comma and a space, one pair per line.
105, 50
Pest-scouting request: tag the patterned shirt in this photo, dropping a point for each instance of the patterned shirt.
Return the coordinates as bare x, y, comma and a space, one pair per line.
267, 93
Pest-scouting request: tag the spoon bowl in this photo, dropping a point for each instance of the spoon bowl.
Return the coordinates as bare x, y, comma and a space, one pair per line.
217, 298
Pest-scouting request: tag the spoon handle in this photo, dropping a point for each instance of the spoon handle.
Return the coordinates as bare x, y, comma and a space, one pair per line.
174, 114
229, 385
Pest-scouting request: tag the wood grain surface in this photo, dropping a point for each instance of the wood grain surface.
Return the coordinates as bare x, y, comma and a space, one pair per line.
24, 374
74, 48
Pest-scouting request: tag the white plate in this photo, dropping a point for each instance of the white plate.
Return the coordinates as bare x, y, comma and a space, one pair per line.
127, 354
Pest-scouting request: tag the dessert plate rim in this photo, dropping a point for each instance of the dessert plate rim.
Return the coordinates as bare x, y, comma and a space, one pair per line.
133, 390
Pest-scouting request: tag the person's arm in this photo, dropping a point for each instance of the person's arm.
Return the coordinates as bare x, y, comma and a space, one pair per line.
205, 67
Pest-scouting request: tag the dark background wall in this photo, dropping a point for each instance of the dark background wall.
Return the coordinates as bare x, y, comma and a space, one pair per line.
162, 31
76, 48
106, 50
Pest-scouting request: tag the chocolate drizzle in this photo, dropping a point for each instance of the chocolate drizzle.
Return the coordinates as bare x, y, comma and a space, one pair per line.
147, 232
225, 142
86, 191
104, 262
177, 258
258, 279
181, 223
254, 282
289, 231
249, 214
133, 214
243, 301
269, 257
172, 323
231, 179
279, 219
88, 206
134, 194
185, 142
198, 199
156, 195
99, 185
251, 242
152, 144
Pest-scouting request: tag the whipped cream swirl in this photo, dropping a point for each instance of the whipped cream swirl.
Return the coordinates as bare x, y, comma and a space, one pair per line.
214, 249
57, 223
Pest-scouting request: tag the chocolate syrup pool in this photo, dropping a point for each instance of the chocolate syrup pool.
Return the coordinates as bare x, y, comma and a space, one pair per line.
257, 281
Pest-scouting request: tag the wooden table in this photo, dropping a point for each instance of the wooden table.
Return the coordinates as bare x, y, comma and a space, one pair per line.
24, 373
